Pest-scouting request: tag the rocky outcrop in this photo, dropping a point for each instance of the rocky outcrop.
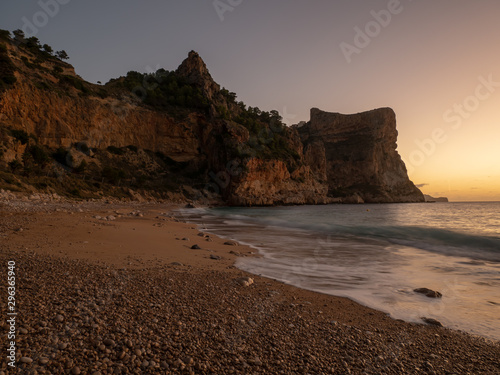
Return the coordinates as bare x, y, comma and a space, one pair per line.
357, 156
332, 158
431, 199
268, 182
195, 71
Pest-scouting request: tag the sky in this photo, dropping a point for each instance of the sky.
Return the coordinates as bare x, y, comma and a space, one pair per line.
436, 63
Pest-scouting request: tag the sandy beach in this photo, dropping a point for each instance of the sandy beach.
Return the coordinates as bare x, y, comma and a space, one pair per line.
127, 288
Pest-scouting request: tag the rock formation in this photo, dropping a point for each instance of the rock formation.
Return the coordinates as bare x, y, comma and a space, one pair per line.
246, 156
356, 155
431, 199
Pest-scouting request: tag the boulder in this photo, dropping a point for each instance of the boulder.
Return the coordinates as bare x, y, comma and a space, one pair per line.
428, 292
244, 281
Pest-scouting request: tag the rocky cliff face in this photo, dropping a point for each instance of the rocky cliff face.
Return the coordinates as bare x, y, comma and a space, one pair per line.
246, 156
268, 182
62, 120
357, 156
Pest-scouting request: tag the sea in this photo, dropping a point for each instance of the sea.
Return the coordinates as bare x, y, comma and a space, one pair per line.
378, 254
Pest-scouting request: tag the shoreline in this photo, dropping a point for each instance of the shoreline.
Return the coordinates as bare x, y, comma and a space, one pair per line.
267, 326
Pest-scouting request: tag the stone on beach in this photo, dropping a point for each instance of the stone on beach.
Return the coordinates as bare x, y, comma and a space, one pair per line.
431, 321
59, 318
244, 281
428, 292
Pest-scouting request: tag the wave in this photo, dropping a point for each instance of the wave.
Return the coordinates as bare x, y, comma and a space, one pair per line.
443, 241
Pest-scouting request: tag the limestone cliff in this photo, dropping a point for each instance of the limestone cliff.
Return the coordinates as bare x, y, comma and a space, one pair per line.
180, 131
268, 182
62, 120
357, 155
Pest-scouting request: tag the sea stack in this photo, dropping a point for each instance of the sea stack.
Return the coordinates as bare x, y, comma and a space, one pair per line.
357, 155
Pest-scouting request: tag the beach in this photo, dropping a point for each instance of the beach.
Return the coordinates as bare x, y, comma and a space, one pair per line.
113, 287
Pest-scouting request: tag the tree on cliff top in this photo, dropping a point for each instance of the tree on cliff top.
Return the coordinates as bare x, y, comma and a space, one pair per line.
62, 55
4, 34
18, 35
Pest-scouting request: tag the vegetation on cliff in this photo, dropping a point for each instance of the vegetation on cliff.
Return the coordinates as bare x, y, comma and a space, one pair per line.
7, 68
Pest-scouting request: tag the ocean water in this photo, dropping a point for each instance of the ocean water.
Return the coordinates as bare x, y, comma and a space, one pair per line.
378, 254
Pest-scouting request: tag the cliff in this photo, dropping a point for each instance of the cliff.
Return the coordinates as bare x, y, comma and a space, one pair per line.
179, 134
356, 154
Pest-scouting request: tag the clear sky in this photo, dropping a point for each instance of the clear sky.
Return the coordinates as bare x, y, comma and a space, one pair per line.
436, 63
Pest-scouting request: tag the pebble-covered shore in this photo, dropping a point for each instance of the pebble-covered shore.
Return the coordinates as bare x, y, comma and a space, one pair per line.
78, 317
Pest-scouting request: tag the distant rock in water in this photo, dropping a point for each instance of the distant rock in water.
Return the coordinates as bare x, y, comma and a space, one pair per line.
430, 199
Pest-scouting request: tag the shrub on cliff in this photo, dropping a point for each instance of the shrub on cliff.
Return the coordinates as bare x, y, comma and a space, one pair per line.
38, 154
75, 82
116, 150
20, 135
4, 34
62, 55
165, 90
61, 156
15, 165
7, 69
41, 52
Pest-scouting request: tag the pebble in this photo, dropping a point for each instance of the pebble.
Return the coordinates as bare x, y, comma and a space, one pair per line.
195, 247
59, 318
43, 360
